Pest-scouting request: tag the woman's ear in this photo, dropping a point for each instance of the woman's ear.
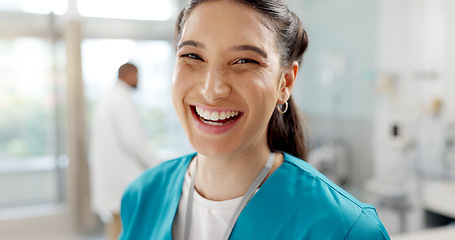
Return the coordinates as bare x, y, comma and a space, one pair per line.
287, 82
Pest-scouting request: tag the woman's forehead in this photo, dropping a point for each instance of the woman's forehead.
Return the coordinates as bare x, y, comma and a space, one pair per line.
226, 21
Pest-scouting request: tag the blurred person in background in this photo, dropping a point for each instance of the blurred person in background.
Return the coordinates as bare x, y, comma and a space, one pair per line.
119, 149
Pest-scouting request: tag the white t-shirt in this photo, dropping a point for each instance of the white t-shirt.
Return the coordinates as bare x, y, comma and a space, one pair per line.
209, 219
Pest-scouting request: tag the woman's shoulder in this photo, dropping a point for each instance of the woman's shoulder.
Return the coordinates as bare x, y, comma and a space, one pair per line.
152, 198
320, 195
160, 176
309, 177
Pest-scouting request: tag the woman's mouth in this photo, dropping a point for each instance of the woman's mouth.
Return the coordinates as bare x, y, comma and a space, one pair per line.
216, 118
215, 121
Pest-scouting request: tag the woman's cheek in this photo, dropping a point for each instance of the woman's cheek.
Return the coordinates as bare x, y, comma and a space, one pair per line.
178, 81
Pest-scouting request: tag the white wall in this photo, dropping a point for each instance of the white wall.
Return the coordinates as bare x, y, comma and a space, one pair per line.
414, 75
335, 87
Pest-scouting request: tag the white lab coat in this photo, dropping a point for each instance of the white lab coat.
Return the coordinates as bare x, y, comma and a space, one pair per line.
119, 152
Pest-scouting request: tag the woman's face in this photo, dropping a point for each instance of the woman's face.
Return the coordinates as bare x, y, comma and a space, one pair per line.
227, 79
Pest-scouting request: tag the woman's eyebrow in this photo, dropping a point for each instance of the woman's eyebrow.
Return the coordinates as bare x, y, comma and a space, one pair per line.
250, 48
191, 43
234, 48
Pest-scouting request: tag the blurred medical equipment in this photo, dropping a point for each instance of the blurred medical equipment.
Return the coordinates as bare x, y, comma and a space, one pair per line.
331, 159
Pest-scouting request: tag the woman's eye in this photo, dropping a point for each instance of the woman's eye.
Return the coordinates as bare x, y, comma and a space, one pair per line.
243, 61
192, 56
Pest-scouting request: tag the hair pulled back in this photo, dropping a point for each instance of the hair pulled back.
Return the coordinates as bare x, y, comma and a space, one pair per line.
285, 130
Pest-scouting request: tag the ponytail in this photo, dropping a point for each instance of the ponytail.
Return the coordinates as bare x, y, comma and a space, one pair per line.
286, 133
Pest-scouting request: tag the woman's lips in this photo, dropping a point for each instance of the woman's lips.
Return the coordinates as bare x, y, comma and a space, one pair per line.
217, 118
215, 121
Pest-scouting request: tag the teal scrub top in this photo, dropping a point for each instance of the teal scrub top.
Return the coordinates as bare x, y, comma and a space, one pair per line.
295, 202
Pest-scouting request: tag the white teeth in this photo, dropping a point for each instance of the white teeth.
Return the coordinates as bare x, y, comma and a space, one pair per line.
215, 116
206, 114
212, 123
222, 115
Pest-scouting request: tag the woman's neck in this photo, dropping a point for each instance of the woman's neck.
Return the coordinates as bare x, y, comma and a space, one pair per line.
226, 178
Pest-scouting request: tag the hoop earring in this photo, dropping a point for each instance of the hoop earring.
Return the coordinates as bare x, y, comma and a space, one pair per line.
285, 107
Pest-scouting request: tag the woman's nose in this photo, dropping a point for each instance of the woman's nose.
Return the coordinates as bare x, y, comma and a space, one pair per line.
215, 85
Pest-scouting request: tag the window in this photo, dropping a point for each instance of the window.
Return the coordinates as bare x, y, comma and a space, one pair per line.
30, 121
126, 9
33, 90
58, 7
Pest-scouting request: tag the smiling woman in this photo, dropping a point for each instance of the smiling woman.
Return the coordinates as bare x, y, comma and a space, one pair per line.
230, 70
236, 65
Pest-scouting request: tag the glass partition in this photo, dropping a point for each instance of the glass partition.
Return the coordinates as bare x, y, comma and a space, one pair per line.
31, 141
58, 7
127, 9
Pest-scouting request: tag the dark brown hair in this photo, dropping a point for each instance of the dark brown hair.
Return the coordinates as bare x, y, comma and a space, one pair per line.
285, 130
